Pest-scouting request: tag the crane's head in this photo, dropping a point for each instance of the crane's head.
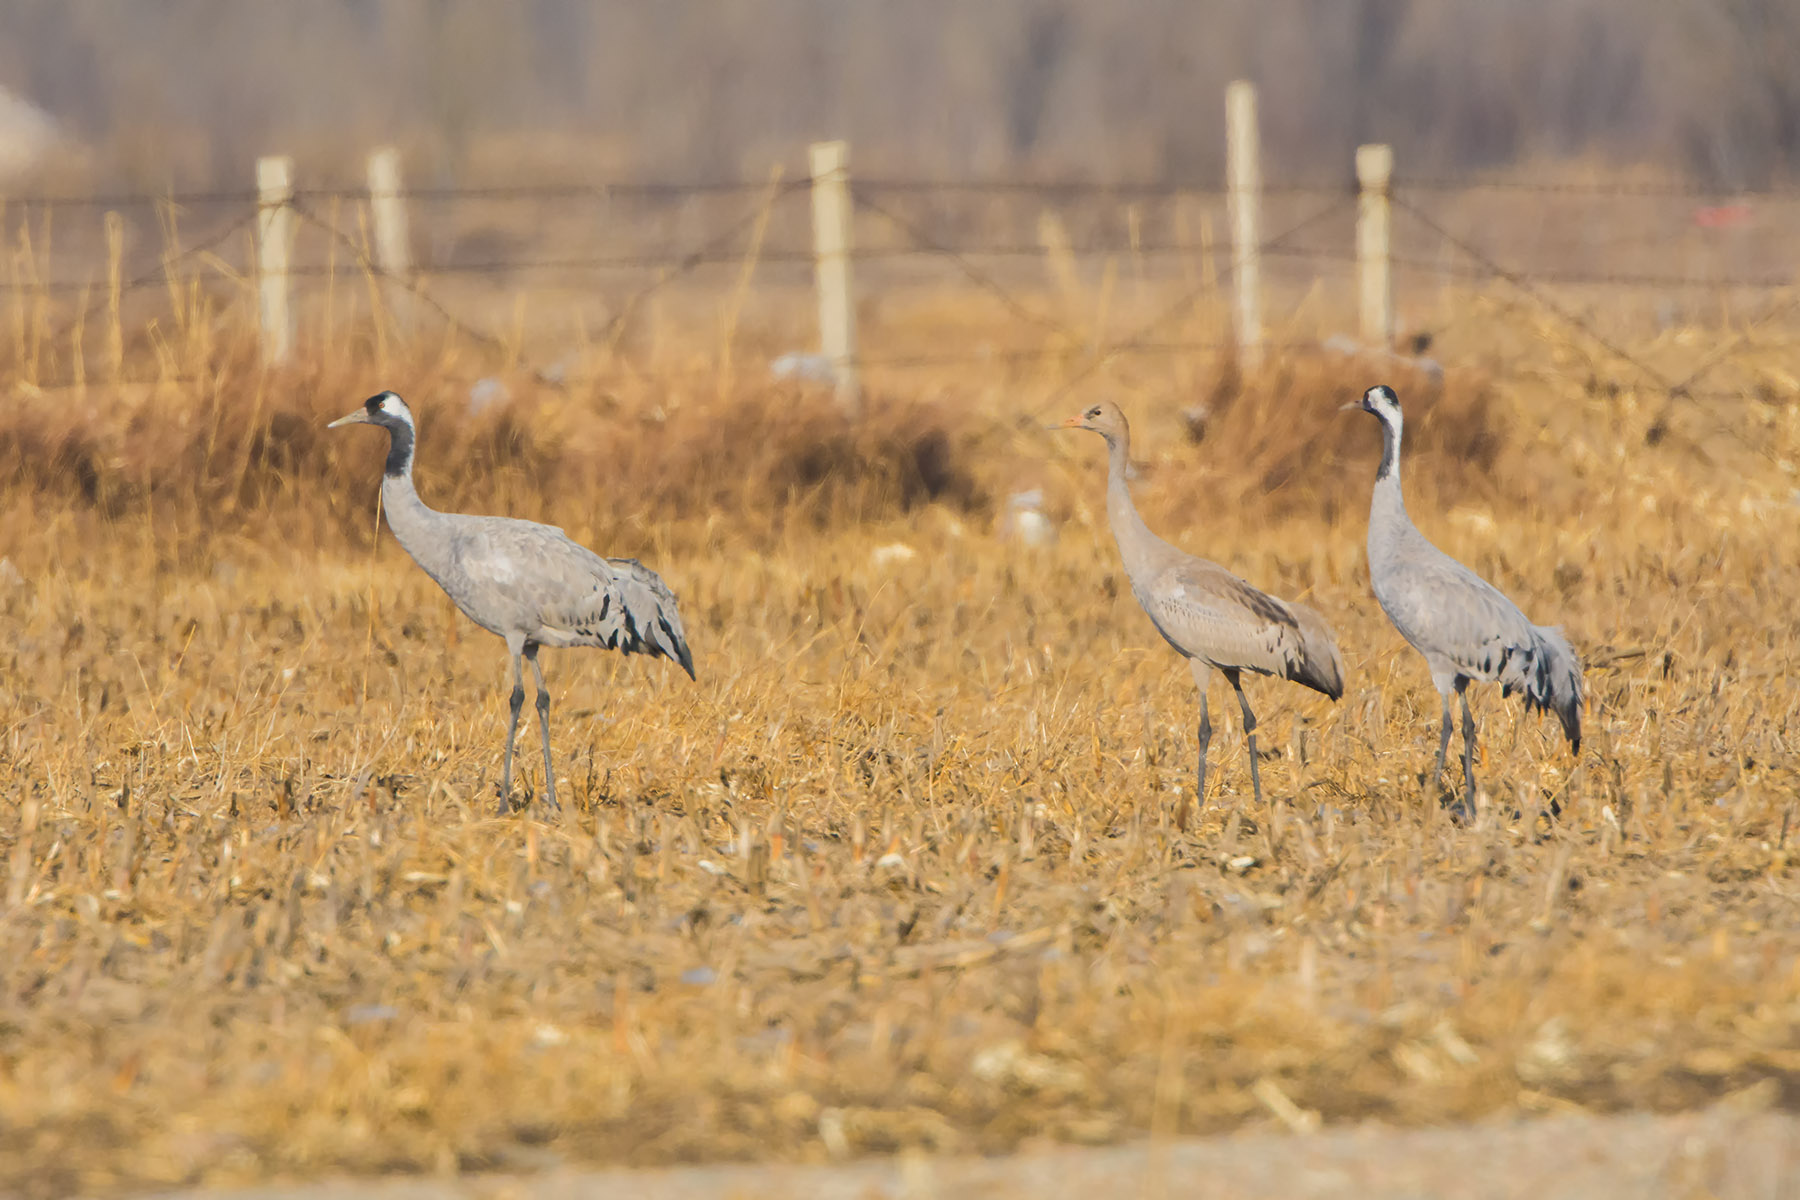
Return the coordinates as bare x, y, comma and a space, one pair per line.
1103, 418
1381, 401
384, 408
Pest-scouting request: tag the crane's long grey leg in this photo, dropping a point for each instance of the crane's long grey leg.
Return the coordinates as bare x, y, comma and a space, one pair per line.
515, 645
543, 707
1437, 772
1249, 733
1202, 677
1468, 805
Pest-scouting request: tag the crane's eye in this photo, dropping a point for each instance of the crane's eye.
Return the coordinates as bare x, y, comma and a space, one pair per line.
1093, 414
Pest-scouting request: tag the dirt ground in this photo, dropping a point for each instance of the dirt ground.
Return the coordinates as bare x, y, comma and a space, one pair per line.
1716, 1154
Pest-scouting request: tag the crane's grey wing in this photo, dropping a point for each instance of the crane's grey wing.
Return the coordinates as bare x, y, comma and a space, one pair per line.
1454, 615
576, 598
626, 607
646, 618
1206, 612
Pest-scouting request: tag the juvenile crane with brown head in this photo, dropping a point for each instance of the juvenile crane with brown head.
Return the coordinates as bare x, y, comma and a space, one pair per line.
1211, 617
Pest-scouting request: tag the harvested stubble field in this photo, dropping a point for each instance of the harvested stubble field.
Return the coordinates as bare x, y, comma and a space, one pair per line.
899, 872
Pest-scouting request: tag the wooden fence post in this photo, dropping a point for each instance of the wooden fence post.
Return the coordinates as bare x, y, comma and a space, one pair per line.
393, 251
1374, 171
115, 294
831, 268
274, 240
1243, 201
393, 245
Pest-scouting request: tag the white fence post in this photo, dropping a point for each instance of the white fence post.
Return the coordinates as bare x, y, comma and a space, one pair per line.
1374, 171
393, 245
393, 250
831, 268
1243, 201
274, 240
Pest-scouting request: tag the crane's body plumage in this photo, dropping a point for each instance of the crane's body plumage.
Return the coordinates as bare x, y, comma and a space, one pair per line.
1465, 628
1207, 613
518, 577
1210, 616
530, 584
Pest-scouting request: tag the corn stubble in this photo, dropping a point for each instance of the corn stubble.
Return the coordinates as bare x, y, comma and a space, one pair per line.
900, 871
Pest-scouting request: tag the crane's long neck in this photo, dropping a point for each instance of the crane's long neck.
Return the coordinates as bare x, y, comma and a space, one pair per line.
1387, 508
415, 525
1134, 537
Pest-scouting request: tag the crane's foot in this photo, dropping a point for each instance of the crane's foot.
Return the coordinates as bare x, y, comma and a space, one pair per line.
505, 801
1460, 808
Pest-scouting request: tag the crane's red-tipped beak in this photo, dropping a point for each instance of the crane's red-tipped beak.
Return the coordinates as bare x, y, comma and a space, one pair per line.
1071, 423
358, 417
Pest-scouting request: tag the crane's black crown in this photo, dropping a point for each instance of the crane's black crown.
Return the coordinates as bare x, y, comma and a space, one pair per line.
387, 408
1379, 397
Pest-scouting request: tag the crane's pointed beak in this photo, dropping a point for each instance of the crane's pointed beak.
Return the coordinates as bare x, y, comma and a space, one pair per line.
1354, 404
357, 417
1071, 423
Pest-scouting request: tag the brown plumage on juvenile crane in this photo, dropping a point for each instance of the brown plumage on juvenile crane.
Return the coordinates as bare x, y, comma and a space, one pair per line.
1213, 619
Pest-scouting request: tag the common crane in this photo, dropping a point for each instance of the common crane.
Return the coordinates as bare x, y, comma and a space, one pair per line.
1459, 621
529, 583
1213, 619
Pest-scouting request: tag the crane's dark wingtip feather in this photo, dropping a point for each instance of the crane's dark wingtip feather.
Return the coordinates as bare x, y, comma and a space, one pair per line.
1323, 678
673, 644
1319, 667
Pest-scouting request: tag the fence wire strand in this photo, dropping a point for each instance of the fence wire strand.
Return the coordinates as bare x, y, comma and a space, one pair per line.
872, 195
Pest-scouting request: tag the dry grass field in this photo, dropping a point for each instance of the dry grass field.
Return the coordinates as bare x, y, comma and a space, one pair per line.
899, 872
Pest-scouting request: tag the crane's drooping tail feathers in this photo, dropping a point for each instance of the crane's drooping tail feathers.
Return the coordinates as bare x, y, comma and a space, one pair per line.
649, 622
1319, 667
1551, 681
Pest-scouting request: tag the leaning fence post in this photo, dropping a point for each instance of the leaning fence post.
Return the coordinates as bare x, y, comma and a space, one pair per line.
274, 240
1243, 199
393, 247
831, 268
1374, 171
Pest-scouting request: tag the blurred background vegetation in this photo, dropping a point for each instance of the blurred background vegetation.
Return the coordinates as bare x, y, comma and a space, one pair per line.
185, 93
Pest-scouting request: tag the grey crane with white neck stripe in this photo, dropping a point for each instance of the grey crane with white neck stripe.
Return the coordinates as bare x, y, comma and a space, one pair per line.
1213, 619
1459, 621
528, 583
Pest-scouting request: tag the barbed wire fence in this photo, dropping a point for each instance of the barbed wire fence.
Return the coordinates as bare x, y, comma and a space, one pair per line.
1428, 228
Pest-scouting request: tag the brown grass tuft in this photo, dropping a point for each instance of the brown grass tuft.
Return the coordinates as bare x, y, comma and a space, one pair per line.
253, 450
1292, 450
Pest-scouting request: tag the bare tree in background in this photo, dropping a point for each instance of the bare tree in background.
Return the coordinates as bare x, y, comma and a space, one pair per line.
189, 90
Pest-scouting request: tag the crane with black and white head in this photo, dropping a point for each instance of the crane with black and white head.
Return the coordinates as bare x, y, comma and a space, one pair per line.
529, 583
1459, 621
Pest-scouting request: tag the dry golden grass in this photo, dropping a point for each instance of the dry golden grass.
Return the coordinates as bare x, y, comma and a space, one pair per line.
900, 869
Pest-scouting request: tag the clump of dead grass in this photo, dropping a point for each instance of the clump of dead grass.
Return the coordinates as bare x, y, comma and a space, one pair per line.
252, 448
1291, 448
